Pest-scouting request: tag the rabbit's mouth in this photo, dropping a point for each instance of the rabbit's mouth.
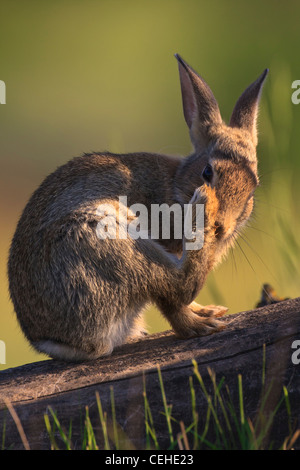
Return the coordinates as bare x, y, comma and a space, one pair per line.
226, 239
219, 231
225, 233
224, 243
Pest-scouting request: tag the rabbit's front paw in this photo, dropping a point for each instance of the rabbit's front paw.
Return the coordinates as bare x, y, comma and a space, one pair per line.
206, 195
211, 205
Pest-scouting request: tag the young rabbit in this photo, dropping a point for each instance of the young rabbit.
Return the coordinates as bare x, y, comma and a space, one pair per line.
78, 295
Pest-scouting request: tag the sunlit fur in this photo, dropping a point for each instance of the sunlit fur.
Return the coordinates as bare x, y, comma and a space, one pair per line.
76, 296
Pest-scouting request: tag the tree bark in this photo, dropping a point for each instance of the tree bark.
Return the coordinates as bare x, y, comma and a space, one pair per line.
239, 349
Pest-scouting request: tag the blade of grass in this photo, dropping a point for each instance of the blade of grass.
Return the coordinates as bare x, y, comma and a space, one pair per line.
208, 399
91, 440
252, 440
166, 407
149, 424
217, 389
206, 426
184, 436
113, 411
241, 401
264, 366
179, 442
288, 408
289, 443
18, 423
61, 431
264, 422
194, 413
233, 414
242, 412
50, 431
103, 422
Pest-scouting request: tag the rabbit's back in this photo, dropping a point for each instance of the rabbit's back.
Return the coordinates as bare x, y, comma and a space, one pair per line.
63, 278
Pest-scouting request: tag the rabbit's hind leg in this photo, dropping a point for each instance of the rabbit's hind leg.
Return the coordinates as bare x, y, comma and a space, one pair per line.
138, 330
101, 345
187, 324
208, 310
64, 352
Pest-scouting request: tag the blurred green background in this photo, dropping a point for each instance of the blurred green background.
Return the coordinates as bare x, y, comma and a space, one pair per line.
100, 75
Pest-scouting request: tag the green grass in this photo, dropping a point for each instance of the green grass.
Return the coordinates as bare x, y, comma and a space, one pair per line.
232, 429
221, 425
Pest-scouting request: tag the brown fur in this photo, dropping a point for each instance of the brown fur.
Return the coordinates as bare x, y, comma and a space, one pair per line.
76, 296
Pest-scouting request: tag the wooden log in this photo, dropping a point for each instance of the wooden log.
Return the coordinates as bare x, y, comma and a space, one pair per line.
70, 388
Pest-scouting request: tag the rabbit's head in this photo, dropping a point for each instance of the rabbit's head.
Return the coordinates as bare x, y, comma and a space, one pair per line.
224, 156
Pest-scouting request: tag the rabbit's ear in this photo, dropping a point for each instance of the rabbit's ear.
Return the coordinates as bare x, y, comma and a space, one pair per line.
200, 107
246, 109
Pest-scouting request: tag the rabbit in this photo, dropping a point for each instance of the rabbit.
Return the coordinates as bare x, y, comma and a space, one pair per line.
78, 296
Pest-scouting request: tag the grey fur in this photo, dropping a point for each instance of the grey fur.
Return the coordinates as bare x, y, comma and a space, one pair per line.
78, 297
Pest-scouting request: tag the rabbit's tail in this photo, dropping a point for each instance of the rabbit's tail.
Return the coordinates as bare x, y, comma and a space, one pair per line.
62, 351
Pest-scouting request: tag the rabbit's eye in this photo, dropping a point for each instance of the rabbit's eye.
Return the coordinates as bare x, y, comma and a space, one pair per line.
207, 173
